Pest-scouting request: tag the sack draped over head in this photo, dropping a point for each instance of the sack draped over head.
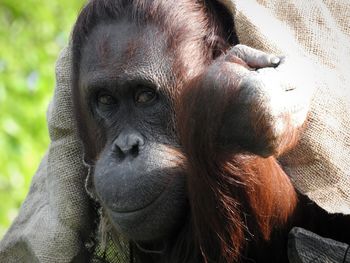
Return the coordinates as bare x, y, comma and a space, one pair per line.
55, 218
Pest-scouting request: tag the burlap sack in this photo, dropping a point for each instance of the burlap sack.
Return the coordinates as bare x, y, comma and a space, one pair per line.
55, 219
320, 165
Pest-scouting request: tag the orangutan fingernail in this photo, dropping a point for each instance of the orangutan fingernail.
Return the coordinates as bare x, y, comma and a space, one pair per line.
275, 60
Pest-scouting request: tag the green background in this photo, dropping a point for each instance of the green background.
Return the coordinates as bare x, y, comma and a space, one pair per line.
32, 33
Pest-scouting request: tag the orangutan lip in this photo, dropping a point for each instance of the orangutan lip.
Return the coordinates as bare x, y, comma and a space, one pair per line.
150, 204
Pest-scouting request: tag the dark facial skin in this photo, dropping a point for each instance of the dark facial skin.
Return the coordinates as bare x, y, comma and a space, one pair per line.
125, 74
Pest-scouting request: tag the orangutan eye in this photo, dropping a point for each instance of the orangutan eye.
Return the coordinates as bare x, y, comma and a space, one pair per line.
105, 99
145, 96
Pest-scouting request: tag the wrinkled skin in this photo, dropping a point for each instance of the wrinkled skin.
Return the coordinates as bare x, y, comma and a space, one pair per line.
136, 177
126, 72
273, 92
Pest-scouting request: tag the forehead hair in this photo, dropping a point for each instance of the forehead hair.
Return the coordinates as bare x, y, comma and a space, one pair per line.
194, 27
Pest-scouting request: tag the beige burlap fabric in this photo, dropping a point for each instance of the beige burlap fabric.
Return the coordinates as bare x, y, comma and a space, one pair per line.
55, 217
320, 165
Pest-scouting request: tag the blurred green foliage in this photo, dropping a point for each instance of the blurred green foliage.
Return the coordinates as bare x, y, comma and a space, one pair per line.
32, 33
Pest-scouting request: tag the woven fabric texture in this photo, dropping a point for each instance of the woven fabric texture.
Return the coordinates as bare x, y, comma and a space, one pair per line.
320, 31
56, 216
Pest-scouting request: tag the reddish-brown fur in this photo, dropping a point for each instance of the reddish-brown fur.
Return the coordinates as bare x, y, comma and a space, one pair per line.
234, 195
240, 204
